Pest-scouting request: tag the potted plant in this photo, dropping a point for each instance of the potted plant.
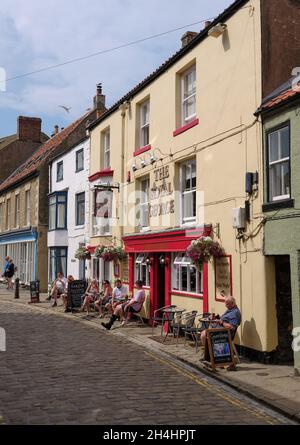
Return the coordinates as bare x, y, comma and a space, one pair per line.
203, 250
82, 253
110, 253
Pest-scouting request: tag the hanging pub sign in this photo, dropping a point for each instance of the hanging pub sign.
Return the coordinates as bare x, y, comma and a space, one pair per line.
218, 348
223, 277
76, 290
103, 203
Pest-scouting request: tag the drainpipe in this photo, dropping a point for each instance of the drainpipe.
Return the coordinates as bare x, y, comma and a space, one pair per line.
123, 107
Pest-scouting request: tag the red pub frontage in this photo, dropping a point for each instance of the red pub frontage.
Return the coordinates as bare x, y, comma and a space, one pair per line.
159, 248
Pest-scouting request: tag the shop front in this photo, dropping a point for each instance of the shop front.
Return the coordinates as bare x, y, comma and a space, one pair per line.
159, 260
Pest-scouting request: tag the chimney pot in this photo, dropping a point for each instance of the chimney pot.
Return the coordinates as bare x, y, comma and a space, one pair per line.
188, 37
29, 129
207, 23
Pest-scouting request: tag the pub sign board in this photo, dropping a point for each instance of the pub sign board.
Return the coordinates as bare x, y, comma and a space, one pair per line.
34, 291
76, 289
218, 347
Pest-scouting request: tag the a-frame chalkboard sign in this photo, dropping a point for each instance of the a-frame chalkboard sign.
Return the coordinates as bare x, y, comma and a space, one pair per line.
218, 348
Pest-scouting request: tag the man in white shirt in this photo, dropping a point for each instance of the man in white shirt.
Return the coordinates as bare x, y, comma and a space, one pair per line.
134, 305
59, 287
119, 293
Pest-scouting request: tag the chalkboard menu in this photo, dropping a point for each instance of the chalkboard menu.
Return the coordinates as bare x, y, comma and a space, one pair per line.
76, 289
219, 351
34, 291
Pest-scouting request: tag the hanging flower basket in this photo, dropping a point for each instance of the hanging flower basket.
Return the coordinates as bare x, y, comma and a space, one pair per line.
110, 253
82, 253
203, 250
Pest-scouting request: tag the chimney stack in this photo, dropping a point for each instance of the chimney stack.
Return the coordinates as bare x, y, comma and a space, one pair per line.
188, 37
56, 129
99, 100
29, 129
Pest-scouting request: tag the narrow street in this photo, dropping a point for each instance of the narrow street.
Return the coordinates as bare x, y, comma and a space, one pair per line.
59, 371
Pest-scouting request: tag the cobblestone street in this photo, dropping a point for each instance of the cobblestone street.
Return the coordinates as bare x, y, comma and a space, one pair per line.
60, 371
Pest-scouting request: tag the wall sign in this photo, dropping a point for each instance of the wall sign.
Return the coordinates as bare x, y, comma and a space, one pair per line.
160, 190
223, 277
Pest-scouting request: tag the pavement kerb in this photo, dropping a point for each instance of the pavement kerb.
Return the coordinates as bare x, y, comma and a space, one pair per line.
233, 385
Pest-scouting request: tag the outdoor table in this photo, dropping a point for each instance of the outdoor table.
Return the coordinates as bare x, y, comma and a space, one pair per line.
168, 318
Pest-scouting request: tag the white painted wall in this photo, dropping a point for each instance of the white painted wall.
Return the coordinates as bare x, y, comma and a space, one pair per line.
74, 182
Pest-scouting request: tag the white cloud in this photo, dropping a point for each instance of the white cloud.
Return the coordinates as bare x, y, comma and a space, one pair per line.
37, 34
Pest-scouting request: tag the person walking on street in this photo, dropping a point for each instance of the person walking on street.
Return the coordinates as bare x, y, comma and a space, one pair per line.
10, 273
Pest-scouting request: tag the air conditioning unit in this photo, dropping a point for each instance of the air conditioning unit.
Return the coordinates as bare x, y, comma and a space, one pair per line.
239, 218
217, 30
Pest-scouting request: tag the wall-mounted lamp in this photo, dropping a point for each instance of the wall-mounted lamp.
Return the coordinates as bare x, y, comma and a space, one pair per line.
134, 168
143, 163
162, 260
152, 159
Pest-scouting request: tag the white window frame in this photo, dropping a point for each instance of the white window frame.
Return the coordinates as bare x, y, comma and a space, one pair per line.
1, 216
277, 162
27, 207
144, 203
106, 149
17, 210
140, 263
145, 123
180, 260
8, 214
186, 119
187, 220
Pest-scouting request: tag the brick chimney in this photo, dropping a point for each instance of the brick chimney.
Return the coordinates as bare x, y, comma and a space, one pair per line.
29, 129
188, 37
99, 100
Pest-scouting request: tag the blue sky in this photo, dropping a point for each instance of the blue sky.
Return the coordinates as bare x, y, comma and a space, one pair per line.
37, 34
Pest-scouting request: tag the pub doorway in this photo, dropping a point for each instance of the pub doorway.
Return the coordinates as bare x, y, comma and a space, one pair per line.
284, 352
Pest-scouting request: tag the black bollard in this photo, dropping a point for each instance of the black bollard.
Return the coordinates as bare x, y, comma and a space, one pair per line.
17, 288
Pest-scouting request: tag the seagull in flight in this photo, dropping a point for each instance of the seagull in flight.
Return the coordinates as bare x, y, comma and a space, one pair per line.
67, 109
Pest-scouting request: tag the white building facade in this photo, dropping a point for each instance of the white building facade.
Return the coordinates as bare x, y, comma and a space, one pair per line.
69, 211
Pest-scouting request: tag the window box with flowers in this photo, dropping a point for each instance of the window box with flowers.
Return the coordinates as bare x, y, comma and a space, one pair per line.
82, 253
110, 253
203, 250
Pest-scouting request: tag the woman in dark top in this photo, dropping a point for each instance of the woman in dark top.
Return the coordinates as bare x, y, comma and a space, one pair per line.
10, 273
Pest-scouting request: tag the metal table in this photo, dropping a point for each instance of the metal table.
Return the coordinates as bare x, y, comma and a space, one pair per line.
168, 319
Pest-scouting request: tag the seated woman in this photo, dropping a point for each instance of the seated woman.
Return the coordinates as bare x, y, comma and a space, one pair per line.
91, 294
105, 298
65, 295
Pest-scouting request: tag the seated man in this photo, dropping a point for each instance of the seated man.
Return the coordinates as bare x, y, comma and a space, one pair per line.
118, 294
134, 306
231, 319
59, 287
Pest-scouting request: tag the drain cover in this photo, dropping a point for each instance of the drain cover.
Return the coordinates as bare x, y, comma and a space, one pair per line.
262, 373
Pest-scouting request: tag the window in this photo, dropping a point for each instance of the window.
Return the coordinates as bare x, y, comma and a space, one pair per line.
79, 160
59, 171
58, 262
27, 207
106, 149
102, 219
188, 96
80, 209
279, 164
188, 191
1, 216
17, 210
144, 207
144, 123
8, 210
58, 211
185, 276
142, 269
